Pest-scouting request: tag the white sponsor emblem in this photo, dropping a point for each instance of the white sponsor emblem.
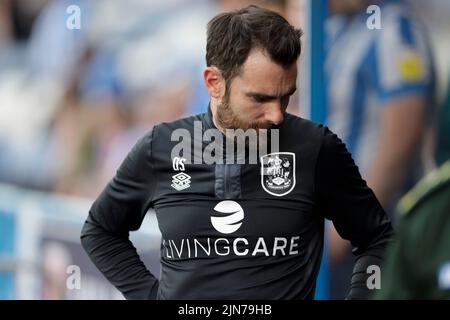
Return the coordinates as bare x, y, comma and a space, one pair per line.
230, 222
278, 173
178, 164
180, 181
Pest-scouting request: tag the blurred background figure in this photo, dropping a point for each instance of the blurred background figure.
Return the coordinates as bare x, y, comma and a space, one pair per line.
380, 86
442, 150
418, 263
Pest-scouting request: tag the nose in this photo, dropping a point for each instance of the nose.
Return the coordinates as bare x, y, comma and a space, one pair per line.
274, 114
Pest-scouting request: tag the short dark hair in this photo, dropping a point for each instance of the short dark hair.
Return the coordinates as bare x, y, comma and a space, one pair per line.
232, 35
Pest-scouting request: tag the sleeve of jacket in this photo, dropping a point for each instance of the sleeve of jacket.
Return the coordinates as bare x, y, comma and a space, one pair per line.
345, 198
121, 208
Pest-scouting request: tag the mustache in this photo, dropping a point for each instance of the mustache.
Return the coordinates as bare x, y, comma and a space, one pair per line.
228, 119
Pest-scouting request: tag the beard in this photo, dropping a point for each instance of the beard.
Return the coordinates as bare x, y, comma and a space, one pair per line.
227, 118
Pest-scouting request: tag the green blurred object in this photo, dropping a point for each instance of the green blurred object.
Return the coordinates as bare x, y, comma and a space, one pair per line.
418, 263
443, 137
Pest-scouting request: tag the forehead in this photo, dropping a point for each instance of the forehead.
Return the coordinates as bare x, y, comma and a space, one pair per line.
260, 71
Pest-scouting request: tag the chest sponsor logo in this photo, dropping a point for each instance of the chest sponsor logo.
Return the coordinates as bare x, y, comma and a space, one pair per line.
227, 218
181, 180
278, 173
230, 218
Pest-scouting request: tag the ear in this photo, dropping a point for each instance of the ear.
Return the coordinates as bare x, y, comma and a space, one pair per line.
214, 82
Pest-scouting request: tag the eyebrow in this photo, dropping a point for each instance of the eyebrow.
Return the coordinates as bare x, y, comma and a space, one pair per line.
269, 97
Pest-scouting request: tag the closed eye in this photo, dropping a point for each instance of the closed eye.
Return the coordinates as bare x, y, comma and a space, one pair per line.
262, 99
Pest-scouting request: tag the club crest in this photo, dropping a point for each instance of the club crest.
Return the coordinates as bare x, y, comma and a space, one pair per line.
278, 173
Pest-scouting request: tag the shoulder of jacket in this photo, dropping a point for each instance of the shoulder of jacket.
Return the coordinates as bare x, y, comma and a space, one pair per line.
298, 123
183, 123
425, 188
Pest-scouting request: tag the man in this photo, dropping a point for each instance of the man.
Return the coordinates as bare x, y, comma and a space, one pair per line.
238, 230
198, 102
418, 265
380, 81
380, 89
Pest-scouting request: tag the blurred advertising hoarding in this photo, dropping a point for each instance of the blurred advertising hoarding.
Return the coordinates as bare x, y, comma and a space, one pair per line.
40, 252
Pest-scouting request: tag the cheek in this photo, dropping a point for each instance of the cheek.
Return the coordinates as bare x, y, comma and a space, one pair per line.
254, 111
243, 107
